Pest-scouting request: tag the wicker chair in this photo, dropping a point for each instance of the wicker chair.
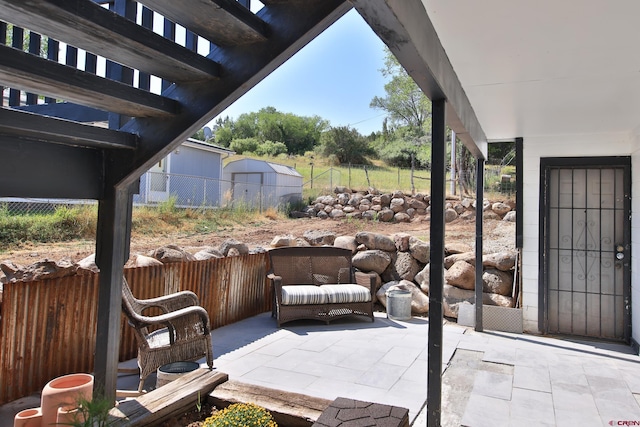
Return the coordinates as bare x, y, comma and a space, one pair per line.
180, 333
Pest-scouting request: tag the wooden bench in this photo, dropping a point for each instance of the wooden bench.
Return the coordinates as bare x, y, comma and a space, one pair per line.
318, 282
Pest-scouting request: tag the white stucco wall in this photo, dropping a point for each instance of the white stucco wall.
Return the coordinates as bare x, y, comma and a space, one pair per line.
564, 146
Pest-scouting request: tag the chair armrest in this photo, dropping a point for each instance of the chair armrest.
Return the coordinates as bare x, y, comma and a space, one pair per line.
276, 282
172, 302
368, 280
167, 319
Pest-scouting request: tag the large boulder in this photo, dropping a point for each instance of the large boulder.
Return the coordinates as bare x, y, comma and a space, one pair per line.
171, 253
469, 257
422, 279
228, 244
402, 241
419, 301
504, 261
376, 241
280, 241
397, 204
371, 260
319, 237
88, 265
139, 260
385, 215
208, 252
510, 216
462, 275
419, 250
401, 217
40, 270
500, 208
406, 266
450, 215
497, 282
453, 297
346, 242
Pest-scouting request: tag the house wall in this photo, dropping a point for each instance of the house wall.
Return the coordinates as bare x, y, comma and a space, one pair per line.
537, 147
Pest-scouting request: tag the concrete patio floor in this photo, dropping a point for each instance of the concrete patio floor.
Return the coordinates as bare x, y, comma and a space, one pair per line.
490, 378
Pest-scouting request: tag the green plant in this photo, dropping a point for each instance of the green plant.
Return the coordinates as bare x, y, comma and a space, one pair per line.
241, 414
91, 413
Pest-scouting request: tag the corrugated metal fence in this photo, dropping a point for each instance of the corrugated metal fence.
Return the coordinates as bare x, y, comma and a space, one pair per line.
48, 327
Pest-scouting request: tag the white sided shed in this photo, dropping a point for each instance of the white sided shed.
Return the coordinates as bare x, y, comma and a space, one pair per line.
261, 184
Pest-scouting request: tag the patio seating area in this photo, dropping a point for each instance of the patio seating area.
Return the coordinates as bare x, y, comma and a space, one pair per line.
490, 378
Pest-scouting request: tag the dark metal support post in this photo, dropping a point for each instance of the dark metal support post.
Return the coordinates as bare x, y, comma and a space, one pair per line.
436, 262
519, 189
112, 251
479, 218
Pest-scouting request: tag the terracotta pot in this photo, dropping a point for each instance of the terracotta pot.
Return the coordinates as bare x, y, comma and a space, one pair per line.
28, 418
64, 392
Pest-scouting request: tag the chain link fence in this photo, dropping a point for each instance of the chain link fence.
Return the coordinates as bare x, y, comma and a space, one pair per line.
187, 191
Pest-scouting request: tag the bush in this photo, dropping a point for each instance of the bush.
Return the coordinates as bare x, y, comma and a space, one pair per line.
241, 414
244, 145
270, 148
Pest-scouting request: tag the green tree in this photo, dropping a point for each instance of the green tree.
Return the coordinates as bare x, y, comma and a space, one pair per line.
404, 102
346, 144
406, 132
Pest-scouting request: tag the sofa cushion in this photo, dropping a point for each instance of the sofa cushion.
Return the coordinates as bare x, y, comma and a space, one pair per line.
347, 293
303, 294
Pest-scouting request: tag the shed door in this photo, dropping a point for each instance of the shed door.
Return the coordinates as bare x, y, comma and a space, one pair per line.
158, 182
587, 266
247, 188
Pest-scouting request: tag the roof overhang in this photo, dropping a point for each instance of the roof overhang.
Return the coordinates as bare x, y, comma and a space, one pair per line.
539, 68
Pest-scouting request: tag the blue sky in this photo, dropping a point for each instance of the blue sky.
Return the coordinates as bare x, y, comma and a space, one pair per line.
335, 77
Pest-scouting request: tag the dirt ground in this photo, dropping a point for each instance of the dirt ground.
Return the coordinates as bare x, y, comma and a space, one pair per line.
497, 236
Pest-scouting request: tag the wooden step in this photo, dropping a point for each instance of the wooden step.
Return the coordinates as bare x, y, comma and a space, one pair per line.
289, 409
177, 396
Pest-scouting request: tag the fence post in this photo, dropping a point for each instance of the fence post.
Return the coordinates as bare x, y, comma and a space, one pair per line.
349, 174
311, 174
331, 180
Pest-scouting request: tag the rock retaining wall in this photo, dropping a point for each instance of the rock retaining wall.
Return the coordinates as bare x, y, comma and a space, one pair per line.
398, 207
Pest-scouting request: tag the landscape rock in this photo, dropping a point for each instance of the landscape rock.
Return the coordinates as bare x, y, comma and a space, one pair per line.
322, 215
500, 208
453, 297
139, 260
88, 264
319, 237
208, 252
355, 199
402, 241
450, 215
397, 204
497, 299
40, 270
469, 257
490, 215
371, 260
510, 216
337, 214
346, 242
401, 217
376, 241
456, 248
242, 248
462, 275
419, 250
497, 282
422, 279
406, 266
385, 215
171, 253
504, 261
233, 252
283, 241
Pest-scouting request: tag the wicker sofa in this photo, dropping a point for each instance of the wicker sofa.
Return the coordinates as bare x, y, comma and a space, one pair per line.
318, 282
